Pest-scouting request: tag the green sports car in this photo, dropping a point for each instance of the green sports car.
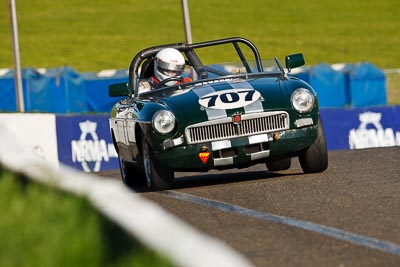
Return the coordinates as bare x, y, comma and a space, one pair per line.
234, 114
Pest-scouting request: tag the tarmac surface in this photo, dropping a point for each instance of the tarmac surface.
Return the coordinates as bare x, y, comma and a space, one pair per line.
348, 215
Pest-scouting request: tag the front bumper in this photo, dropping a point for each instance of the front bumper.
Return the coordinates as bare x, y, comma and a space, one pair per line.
236, 152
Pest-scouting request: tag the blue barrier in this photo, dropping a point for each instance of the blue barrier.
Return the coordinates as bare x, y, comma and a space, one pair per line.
63, 90
365, 84
349, 85
329, 84
59, 90
7, 92
96, 86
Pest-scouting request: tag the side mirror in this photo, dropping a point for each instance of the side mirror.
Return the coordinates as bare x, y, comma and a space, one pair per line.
119, 89
294, 61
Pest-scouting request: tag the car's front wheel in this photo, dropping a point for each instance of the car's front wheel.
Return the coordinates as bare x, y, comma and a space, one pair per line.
279, 165
130, 175
157, 177
315, 157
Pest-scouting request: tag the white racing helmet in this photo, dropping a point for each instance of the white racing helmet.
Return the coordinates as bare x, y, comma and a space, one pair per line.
169, 63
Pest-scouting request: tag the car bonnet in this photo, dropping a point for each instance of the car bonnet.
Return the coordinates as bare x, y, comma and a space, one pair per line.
224, 99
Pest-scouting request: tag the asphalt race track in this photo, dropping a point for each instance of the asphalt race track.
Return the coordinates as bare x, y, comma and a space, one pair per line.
347, 216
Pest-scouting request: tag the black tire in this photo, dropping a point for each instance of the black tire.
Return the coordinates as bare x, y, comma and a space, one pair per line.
130, 175
157, 177
279, 165
315, 158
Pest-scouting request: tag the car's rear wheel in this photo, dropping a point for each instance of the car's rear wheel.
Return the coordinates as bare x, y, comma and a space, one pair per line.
279, 165
130, 175
315, 157
157, 177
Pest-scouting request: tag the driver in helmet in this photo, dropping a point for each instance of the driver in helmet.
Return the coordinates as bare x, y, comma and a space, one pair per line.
169, 65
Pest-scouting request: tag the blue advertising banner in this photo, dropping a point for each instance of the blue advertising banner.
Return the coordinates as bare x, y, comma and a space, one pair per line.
84, 142
361, 127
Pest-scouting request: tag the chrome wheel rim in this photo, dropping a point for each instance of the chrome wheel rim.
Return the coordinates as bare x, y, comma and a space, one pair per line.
147, 163
122, 168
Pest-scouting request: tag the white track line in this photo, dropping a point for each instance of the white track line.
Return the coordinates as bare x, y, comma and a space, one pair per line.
382, 245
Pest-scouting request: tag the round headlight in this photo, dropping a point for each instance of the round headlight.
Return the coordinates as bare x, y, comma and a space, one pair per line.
163, 121
302, 100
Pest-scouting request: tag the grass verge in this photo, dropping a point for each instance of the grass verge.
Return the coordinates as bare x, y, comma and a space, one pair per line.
42, 226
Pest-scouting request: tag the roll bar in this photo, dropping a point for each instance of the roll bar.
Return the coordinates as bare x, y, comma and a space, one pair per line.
188, 49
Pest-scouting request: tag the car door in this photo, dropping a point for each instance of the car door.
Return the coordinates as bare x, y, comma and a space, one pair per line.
119, 124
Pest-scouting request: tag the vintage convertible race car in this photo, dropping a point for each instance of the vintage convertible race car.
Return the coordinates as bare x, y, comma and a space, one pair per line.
230, 115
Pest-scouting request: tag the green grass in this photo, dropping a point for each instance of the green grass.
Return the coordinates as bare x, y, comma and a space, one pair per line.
99, 34
41, 226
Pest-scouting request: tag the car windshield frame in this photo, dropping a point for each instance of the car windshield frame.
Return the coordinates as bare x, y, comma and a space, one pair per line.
248, 67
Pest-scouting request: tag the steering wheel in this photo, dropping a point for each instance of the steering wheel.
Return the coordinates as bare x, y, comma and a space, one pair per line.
162, 83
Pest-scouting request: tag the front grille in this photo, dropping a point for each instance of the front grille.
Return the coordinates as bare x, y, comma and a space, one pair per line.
256, 123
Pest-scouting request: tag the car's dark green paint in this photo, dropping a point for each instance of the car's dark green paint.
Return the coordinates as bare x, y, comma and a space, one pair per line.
294, 61
119, 89
292, 133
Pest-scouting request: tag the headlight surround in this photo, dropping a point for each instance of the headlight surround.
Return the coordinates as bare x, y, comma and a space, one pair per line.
302, 100
163, 121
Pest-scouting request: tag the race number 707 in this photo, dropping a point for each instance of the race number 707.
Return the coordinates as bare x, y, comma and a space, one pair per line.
229, 97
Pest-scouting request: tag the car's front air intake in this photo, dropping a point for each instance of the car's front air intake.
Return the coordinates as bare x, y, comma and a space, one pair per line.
225, 128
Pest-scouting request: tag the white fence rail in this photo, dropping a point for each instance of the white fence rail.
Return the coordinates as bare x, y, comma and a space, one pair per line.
141, 218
